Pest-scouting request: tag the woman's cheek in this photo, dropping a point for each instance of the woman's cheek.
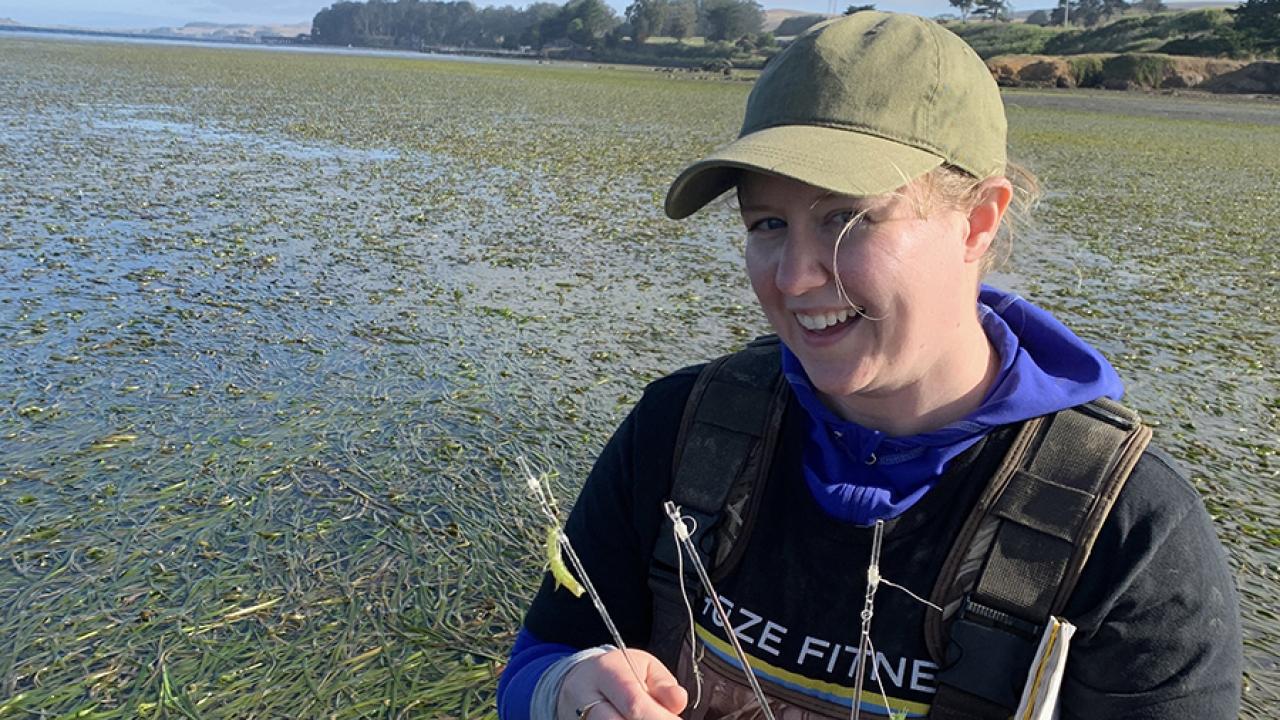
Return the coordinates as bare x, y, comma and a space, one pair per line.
758, 267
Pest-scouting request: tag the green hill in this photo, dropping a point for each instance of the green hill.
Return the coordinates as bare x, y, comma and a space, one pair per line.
1196, 32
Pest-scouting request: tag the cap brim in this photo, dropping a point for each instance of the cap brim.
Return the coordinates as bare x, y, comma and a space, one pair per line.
835, 159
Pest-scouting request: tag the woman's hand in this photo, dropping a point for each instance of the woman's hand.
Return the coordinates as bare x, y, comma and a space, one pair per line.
607, 681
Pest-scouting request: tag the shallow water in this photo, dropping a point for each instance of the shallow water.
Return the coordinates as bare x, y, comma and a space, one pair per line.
276, 325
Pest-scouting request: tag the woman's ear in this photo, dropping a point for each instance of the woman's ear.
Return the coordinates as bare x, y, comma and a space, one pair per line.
984, 217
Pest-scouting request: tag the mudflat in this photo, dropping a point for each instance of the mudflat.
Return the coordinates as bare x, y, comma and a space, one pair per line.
276, 326
1179, 105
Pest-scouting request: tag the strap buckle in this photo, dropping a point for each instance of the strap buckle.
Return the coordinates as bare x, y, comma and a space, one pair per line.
989, 653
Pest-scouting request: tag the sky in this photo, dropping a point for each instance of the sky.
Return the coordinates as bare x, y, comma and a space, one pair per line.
139, 14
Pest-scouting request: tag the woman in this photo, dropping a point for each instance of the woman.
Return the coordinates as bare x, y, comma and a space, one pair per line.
872, 181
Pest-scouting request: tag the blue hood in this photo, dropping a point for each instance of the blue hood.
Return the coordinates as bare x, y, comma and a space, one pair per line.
860, 475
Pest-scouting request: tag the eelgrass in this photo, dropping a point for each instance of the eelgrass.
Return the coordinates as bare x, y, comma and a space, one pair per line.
330, 298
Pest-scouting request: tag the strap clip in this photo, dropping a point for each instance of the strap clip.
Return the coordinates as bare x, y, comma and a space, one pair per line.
989, 653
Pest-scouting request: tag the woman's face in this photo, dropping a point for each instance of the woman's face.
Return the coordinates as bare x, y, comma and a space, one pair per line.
913, 275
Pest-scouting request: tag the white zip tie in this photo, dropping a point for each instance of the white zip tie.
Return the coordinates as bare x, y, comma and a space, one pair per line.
681, 532
864, 633
875, 676
866, 648
538, 486
599, 603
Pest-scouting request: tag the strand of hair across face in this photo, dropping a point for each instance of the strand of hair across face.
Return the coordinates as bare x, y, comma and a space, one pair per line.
835, 269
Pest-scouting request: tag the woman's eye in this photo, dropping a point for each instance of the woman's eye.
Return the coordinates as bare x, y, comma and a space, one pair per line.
843, 217
766, 225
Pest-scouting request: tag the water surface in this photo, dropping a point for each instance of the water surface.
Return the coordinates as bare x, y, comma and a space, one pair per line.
277, 324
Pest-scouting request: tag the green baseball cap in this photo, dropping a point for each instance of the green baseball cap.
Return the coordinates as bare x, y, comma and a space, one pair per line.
860, 105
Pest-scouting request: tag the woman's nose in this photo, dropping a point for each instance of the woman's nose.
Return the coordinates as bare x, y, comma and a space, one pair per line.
804, 263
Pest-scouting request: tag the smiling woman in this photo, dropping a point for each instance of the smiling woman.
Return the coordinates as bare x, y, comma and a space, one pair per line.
901, 284
906, 426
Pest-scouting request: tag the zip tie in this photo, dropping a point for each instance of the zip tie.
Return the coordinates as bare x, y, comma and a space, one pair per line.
547, 503
682, 534
875, 675
866, 647
600, 608
868, 610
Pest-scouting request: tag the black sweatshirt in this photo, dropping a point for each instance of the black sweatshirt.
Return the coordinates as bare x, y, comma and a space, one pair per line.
1158, 632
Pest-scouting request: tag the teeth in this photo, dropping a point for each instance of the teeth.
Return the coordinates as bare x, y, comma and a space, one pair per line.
822, 321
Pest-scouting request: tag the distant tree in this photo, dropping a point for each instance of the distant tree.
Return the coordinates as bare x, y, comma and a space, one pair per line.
858, 8
964, 6
1092, 12
1038, 17
1151, 6
766, 40
1111, 8
1065, 13
647, 18
995, 10
613, 38
732, 18
1086, 12
535, 15
1257, 22
682, 19
414, 23
580, 21
342, 23
501, 26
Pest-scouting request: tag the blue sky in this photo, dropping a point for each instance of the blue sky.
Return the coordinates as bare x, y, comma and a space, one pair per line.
120, 14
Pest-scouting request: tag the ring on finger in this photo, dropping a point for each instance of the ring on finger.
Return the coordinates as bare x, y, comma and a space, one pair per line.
582, 712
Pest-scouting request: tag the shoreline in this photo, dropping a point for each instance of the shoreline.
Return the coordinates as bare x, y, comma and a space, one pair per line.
682, 67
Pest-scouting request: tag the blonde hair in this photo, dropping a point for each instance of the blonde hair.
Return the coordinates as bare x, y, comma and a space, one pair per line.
952, 187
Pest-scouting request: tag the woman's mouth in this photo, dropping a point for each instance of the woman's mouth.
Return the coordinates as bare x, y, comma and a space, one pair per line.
826, 323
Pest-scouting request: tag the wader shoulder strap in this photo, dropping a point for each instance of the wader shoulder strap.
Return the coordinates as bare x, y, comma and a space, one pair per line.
722, 455
1020, 552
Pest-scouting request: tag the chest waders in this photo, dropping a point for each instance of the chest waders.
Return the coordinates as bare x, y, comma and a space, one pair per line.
1011, 568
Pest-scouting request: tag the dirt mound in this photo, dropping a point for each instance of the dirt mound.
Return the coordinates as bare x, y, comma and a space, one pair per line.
1180, 72
1049, 72
1128, 71
1007, 69
1259, 77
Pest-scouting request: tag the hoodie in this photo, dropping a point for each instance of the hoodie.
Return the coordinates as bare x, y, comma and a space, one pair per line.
860, 475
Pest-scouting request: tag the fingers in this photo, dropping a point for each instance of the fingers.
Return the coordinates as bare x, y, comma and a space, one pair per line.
630, 700
609, 677
672, 697
663, 688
